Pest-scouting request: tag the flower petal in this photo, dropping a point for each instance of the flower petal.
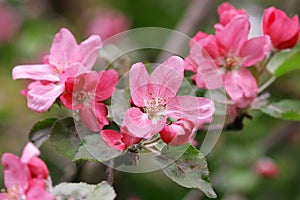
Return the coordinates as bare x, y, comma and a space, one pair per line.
191, 108
93, 116
113, 139
16, 174
30, 151
167, 77
40, 97
254, 50
37, 190
106, 85
138, 124
138, 79
38, 168
35, 72
241, 86
87, 51
63, 46
234, 34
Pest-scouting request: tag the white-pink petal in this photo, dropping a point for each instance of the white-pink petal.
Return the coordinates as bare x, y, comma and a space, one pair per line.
35, 72
62, 47
40, 97
87, 52
29, 152
191, 108
138, 124
168, 77
138, 81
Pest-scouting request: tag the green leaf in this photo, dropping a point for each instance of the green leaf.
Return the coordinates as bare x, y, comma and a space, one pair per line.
189, 168
94, 148
284, 109
40, 132
80, 191
64, 137
284, 62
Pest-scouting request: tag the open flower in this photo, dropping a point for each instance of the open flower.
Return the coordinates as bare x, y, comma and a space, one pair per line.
66, 59
283, 31
155, 99
228, 52
25, 177
86, 93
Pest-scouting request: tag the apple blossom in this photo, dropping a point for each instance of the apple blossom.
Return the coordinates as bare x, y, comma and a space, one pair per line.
25, 177
230, 51
66, 59
86, 92
155, 99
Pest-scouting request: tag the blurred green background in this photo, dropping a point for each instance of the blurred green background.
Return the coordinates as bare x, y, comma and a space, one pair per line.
33, 24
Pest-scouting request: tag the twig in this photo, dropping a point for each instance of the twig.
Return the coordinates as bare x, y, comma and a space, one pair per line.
109, 173
266, 84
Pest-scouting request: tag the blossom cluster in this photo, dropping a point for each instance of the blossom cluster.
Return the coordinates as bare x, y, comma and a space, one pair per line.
26, 177
230, 53
67, 76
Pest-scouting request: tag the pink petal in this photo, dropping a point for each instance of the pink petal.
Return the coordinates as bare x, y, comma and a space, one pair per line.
254, 50
203, 43
71, 71
40, 97
106, 85
63, 46
87, 52
16, 174
234, 34
113, 139
35, 72
93, 116
37, 191
191, 108
167, 77
241, 86
227, 12
138, 124
38, 168
138, 79
30, 151
4, 196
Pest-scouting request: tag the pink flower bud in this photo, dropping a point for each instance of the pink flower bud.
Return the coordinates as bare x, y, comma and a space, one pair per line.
283, 31
266, 168
178, 133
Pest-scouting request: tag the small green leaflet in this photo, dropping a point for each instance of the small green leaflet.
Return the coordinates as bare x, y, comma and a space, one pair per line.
284, 109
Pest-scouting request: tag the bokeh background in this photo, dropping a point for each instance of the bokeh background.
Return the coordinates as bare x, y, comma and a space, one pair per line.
27, 28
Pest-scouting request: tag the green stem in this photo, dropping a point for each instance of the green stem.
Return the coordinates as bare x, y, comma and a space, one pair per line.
266, 84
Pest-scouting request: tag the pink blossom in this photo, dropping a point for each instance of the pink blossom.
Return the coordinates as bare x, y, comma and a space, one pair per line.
25, 177
86, 92
178, 133
155, 99
107, 24
231, 52
283, 31
66, 59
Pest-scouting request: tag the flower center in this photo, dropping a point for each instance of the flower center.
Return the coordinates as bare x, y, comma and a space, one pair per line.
155, 108
83, 96
231, 63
